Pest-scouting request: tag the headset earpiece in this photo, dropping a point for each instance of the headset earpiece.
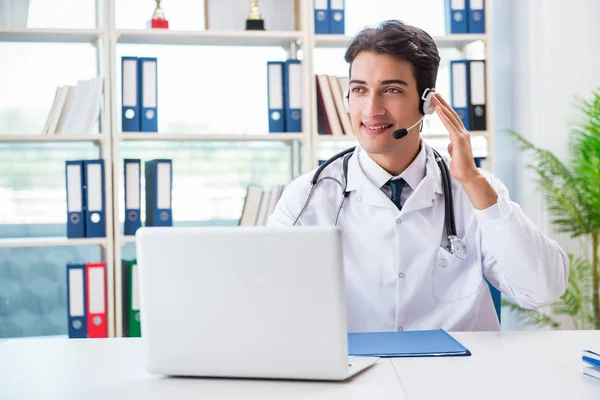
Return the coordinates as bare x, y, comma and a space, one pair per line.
426, 107
346, 101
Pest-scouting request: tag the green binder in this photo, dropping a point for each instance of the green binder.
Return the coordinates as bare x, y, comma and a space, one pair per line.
131, 302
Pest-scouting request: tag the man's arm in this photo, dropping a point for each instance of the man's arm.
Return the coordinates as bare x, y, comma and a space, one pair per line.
287, 208
517, 257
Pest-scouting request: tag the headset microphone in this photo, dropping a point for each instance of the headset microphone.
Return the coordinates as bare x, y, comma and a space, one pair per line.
400, 133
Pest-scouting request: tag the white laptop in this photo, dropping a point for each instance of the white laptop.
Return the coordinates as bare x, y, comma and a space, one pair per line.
249, 302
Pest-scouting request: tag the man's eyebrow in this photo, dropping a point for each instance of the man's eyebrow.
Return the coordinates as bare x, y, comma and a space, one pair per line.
384, 82
394, 81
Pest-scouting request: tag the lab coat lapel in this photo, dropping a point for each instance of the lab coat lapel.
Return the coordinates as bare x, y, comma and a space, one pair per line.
366, 192
429, 191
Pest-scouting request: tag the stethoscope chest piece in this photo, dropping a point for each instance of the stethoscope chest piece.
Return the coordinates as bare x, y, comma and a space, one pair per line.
458, 247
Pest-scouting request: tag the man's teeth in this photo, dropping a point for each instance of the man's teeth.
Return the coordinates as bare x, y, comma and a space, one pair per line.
378, 127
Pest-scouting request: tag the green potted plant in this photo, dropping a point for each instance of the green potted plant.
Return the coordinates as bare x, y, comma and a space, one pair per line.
572, 194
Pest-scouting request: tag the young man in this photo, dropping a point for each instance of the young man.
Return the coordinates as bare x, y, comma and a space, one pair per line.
401, 272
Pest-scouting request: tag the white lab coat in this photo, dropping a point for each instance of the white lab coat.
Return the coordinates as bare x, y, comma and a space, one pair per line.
398, 273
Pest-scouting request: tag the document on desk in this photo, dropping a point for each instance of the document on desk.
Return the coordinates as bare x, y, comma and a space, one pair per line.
426, 343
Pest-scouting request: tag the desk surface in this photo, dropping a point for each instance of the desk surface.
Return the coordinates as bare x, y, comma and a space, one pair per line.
504, 365
113, 369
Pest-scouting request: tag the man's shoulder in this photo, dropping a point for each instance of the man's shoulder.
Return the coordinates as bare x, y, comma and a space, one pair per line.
305, 180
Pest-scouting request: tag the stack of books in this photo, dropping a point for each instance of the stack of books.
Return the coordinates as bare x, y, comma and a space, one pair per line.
592, 359
259, 204
75, 109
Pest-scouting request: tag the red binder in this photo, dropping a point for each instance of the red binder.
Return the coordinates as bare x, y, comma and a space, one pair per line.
96, 300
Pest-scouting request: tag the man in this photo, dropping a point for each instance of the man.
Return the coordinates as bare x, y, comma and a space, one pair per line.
400, 272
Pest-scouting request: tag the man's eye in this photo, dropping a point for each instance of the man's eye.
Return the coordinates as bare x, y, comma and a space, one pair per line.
357, 90
393, 90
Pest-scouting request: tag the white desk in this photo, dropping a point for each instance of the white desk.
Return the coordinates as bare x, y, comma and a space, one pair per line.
505, 365
113, 369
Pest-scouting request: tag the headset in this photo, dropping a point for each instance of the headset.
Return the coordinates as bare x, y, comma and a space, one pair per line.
456, 245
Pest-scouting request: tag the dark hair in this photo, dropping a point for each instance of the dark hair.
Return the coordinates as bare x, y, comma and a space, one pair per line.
404, 42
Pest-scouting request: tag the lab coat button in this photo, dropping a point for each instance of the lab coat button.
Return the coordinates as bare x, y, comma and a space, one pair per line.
401, 275
359, 198
400, 329
399, 221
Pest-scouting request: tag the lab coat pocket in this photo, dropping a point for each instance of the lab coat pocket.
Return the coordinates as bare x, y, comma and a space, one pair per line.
453, 278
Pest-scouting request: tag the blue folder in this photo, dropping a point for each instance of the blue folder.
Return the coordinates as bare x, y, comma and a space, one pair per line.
425, 343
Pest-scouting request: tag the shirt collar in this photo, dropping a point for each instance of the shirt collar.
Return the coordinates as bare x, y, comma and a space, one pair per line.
413, 174
356, 171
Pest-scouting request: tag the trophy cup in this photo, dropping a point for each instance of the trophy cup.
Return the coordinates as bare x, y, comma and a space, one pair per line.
158, 18
254, 21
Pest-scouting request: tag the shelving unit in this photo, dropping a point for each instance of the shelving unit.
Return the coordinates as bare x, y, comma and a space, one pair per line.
33, 35
224, 137
106, 39
99, 39
53, 242
449, 41
206, 38
99, 139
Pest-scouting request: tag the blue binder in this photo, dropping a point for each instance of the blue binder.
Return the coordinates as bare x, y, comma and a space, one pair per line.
276, 96
477, 95
456, 16
74, 175
292, 78
76, 301
159, 178
426, 343
476, 16
132, 173
460, 98
321, 17
95, 216
148, 84
130, 92
337, 18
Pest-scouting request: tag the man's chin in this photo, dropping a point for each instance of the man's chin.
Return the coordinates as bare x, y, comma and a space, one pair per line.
378, 146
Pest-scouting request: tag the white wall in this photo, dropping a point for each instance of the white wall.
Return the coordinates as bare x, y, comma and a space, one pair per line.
546, 53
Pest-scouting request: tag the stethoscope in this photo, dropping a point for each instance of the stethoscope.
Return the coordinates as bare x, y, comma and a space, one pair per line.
456, 246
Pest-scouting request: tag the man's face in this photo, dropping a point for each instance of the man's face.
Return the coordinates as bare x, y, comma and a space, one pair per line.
383, 97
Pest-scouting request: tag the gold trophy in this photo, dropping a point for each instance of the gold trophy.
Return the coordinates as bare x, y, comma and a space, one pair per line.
254, 21
158, 18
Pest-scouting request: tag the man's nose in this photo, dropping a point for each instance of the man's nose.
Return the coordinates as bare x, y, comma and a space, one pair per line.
373, 107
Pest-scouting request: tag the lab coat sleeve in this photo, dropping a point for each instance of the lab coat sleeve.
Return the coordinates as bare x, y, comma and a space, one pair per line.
289, 205
518, 258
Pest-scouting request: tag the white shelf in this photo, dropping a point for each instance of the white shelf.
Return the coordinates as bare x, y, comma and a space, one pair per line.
449, 41
208, 38
267, 137
51, 138
50, 35
424, 135
127, 239
51, 242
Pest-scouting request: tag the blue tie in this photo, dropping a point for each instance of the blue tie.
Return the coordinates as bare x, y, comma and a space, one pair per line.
396, 185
